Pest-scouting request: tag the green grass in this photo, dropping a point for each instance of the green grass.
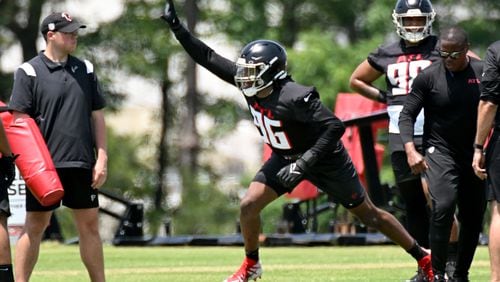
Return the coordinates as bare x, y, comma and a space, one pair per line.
183, 264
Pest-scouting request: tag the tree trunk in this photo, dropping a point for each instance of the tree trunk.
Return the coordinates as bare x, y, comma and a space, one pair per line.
160, 191
190, 139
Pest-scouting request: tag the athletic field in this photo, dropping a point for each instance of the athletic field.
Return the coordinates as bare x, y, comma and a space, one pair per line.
197, 264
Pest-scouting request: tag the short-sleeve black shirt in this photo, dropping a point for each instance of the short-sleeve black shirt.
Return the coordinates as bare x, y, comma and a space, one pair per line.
60, 98
491, 78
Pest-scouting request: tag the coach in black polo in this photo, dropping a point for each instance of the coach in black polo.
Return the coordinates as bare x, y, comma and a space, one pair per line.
448, 91
62, 94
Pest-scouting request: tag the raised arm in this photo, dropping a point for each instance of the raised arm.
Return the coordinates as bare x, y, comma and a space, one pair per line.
202, 54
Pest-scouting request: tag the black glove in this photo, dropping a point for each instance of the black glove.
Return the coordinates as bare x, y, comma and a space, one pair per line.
7, 170
292, 174
382, 96
170, 16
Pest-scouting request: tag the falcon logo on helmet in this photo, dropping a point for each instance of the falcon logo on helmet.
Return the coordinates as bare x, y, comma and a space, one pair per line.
413, 19
261, 63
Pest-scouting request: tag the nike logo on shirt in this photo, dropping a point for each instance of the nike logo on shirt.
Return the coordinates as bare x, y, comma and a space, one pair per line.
306, 99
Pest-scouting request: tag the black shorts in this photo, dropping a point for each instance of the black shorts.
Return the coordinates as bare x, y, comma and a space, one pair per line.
399, 162
334, 174
493, 168
78, 192
4, 202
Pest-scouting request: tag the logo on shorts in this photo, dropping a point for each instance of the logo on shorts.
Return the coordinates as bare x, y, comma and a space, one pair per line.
92, 198
431, 149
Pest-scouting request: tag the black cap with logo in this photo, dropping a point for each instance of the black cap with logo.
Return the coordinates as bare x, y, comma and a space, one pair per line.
62, 22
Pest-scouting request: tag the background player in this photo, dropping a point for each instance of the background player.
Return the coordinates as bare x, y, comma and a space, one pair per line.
400, 62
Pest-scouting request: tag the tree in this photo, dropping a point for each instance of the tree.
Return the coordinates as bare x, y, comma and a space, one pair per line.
22, 23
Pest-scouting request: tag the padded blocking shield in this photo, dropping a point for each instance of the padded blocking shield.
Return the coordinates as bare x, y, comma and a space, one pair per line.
34, 161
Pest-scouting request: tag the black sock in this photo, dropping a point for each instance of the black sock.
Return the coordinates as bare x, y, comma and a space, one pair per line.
416, 252
452, 251
254, 255
6, 273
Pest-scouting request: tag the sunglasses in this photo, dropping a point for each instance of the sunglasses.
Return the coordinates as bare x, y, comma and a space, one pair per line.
453, 55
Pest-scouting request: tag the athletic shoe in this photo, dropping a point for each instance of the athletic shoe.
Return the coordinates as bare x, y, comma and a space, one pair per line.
419, 277
249, 270
439, 278
426, 265
450, 268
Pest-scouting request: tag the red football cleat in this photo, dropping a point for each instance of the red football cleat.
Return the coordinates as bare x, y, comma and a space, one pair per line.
425, 265
249, 270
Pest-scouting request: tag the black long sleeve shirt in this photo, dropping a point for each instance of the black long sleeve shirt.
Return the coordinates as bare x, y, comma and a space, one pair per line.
450, 101
292, 120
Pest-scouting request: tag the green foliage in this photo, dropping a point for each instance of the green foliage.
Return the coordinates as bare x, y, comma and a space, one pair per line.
130, 174
225, 113
205, 210
326, 64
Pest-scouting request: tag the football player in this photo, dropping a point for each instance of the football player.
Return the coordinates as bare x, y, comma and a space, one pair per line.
401, 62
305, 139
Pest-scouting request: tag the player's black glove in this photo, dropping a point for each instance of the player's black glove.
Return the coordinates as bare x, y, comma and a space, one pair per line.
7, 170
170, 16
293, 173
382, 96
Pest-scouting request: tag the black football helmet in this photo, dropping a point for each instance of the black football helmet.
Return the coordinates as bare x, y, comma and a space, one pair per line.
413, 9
261, 62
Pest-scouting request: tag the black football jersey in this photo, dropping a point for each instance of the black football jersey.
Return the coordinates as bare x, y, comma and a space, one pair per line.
291, 119
401, 64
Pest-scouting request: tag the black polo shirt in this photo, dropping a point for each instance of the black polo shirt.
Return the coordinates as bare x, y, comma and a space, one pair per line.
60, 98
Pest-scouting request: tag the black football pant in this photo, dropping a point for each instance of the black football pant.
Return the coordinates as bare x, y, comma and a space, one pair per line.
453, 184
417, 210
412, 193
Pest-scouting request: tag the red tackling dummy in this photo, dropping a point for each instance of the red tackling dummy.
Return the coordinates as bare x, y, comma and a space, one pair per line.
34, 161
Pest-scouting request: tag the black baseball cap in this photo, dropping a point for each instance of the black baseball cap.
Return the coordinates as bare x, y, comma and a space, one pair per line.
60, 22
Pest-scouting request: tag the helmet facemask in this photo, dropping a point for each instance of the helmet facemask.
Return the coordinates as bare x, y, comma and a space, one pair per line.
413, 33
250, 77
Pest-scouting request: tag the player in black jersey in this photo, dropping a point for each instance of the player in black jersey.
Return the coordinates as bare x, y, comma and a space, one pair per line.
400, 62
304, 136
448, 92
487, 167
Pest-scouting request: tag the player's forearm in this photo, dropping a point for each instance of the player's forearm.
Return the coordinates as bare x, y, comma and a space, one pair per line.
486, 114
100, 134
328, 140
368, 90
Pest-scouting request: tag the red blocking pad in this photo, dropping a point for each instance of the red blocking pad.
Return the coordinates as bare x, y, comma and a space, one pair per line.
34, 161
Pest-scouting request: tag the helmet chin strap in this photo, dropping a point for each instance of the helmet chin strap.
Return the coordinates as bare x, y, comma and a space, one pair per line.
252, 91
249, 92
